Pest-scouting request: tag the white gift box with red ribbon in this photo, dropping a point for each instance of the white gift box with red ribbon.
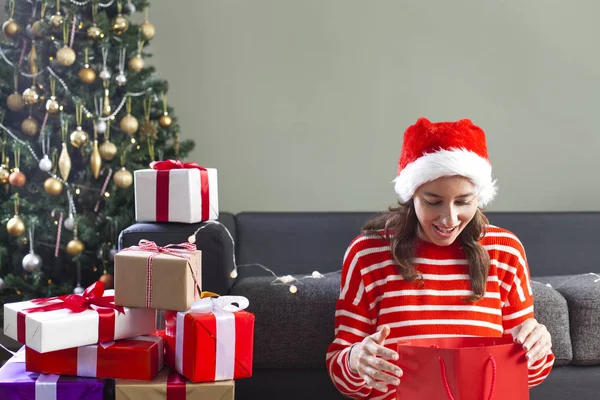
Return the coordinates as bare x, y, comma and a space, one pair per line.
173, 191
49, 324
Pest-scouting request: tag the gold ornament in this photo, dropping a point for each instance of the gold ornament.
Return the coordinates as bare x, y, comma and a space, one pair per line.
31, 96
4, 174
148, 30
123, 178
66, 56
106, 108
148, 131
10, 29
30, 126
53, 186
136, 63
52, 105
75, 247
15, 226
79, 137
120, 23
87, 75
94, 32
95, 160
129, 124
32, 58
57, 20
108, 150
17, 178
15, 102
165, 120
38, 28
64, 161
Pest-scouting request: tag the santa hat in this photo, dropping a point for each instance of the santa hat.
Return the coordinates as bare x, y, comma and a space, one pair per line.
433, 150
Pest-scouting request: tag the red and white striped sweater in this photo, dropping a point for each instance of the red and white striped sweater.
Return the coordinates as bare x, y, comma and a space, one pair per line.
374, 294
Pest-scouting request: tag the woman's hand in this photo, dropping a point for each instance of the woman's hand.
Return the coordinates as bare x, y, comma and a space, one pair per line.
535, 339
368, 359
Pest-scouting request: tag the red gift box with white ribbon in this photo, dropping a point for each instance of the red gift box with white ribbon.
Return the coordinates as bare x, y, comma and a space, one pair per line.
75, 320
213, 340
172, 191
139, 358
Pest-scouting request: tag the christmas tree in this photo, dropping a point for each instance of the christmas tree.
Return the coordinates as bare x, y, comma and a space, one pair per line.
80, 110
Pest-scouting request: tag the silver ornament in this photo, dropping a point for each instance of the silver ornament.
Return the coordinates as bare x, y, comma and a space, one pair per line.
78, 289
121, 79
111, 254
32, 262
101, 126
45, 163
69, 223
105, 74
29, 31
130, 7
1, 283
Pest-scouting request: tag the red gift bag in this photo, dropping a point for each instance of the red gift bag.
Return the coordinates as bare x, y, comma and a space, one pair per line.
462, 368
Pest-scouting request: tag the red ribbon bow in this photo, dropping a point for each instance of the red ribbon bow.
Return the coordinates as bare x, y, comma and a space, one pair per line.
148, 245
90, 299
92, 296
174, 164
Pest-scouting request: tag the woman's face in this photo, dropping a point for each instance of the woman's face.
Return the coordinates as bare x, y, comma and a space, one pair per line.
444, 207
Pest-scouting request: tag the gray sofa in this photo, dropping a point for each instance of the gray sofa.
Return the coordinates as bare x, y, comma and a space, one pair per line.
293, 331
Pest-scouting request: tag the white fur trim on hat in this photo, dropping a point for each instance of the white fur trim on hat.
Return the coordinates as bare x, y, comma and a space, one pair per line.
452, 162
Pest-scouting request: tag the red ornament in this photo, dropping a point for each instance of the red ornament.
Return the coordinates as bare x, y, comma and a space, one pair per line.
17, 179
108, 281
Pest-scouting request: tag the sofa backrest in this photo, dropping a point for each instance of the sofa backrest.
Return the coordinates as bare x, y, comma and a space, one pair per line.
556, 243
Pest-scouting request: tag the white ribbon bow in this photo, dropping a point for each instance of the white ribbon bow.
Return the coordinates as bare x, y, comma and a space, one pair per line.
223, 308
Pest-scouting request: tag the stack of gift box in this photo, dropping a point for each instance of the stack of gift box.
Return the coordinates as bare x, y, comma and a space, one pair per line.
77, 344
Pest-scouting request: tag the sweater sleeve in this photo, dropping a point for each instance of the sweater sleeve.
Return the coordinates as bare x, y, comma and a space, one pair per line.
353, 322
518, 307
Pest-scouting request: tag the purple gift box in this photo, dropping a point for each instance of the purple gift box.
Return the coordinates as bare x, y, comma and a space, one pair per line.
18, 384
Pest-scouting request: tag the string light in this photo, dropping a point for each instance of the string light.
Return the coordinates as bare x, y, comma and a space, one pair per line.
570, 279
287, 280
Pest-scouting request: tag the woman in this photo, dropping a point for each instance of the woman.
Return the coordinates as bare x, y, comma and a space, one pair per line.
433, 267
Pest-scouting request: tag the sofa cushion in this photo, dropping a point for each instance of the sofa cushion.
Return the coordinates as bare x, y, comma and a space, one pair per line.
551, 310
582, 293
291, 330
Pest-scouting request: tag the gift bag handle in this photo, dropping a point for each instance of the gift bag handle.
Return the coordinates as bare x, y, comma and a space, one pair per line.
447, 386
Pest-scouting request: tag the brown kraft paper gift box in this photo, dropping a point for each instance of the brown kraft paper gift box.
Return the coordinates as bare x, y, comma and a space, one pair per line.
171, 285
169, 385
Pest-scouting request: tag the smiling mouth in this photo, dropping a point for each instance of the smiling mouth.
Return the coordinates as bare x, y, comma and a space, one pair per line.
445, 231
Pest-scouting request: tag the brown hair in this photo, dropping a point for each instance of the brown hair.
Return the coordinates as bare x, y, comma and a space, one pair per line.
400, 228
